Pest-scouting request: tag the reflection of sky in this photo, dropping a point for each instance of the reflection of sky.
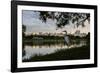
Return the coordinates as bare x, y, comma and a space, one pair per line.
33, 24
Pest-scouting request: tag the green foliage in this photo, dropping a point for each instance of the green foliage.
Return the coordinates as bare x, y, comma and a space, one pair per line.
64, 18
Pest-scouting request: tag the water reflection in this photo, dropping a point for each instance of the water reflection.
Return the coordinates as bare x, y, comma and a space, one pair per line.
31, 49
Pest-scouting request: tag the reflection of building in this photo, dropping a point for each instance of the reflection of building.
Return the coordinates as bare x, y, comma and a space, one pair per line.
77, 33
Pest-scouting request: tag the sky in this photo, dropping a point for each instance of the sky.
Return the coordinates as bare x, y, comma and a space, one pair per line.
32, 22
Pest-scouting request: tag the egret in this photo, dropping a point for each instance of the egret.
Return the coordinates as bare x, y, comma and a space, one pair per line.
66, 38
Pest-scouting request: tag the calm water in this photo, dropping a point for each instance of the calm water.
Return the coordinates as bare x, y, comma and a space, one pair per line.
40, 48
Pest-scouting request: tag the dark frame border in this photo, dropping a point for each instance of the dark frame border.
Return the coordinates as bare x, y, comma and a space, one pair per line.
14, 5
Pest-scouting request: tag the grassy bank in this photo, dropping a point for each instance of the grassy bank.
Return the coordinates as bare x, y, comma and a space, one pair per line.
64, 54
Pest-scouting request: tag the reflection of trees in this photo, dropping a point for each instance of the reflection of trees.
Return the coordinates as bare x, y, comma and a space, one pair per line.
23, 35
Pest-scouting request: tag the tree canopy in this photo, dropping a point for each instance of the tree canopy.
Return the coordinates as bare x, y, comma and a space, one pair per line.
65, 18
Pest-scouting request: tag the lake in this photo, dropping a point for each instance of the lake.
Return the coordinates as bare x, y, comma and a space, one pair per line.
39, 48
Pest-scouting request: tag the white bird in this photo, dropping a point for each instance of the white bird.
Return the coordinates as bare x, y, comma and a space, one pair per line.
66, 38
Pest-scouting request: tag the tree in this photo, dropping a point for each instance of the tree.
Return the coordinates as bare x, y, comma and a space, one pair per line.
23, 28
65, 18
